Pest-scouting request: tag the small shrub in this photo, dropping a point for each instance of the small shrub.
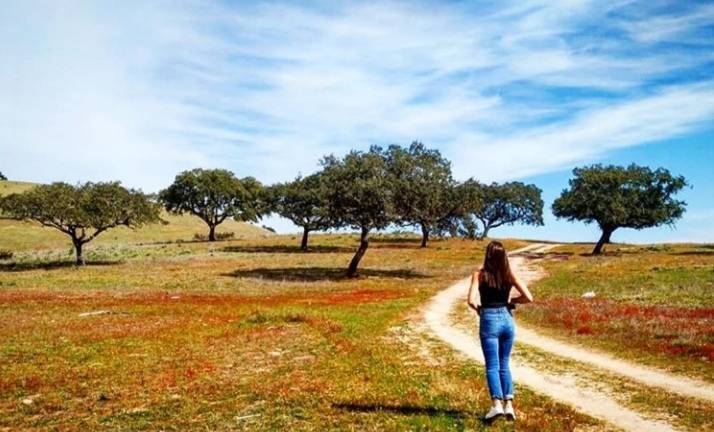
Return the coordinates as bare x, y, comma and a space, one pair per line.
219, 236
225, 235
267, 228
320, 323
5, 254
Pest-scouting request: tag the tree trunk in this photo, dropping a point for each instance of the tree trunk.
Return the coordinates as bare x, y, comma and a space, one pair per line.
424, 235
211, 233
303, 244
604, 238
363, 245
78, 252
484, 234
453, 231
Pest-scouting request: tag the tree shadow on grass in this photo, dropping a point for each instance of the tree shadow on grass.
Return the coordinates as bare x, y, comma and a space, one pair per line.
592, 255
412, 240
549, 256
315, 274
704, 252
408, 410
183, 241
288, 249
374, 242
604, 254
51, 265
395, 242
405, 409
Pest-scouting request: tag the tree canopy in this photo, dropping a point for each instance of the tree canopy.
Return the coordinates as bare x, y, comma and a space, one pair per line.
508, 204
359, 195
82, 212
464, 198
304, 202
493, 206
2, 176
617, 197
422, 182
214, 195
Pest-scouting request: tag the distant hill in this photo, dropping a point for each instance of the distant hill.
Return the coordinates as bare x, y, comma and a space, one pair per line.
15, 235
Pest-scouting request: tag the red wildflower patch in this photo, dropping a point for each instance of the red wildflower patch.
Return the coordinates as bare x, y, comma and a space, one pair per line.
585, 330
678, 331
104, 300
708, 351
361, 296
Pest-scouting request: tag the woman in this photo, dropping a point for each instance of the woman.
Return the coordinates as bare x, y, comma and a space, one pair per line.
496, 330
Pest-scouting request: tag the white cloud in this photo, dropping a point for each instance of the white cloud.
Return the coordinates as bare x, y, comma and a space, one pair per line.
71, 109
140, 90
672, 27
586, 136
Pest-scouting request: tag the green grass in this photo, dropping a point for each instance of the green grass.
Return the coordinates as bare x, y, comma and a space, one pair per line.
245, 334
653, 304
665, 275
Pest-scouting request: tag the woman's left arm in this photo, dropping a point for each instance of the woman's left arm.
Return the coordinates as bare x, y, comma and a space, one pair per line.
525, 294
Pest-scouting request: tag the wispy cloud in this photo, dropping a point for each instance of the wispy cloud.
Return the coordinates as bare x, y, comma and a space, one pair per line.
692, 25
588, 134
139, 91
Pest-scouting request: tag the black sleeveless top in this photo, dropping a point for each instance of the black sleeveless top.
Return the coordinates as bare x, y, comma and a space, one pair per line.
492, 296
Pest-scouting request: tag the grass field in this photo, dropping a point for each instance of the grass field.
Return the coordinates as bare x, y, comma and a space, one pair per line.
653, 304
245, 334
163, 333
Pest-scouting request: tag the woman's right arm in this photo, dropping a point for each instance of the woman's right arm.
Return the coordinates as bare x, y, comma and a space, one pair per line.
525, 294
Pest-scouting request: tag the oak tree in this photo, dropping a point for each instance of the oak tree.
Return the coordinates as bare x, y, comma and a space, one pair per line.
304, 202
508, 204
422, 183
464, 198
617, 197
360, 195
82, 212
214, 195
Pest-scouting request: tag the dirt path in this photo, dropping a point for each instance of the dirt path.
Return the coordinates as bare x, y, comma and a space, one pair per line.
586, 398
647, 375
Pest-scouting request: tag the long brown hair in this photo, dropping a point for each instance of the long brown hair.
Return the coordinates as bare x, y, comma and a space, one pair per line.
496, 272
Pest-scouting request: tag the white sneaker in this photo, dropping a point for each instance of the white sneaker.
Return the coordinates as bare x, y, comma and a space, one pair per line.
495, 411
509, 412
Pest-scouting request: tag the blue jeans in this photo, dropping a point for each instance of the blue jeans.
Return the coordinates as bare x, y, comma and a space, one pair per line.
496, 331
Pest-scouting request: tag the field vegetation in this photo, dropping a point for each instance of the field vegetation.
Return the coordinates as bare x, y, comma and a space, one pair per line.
164, 331
242, 334
652, 304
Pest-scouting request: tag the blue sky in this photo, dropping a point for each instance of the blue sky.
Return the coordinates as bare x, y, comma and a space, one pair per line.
522, 90
691, 156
